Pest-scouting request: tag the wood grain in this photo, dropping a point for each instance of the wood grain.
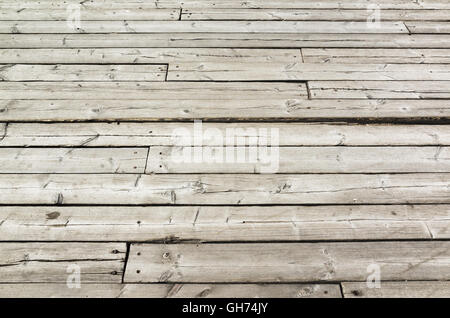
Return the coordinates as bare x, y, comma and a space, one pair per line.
424, 289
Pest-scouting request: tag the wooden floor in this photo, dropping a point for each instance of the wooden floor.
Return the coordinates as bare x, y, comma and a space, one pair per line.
88, 112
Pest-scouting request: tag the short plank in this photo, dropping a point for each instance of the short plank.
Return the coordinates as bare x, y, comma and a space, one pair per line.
364, 14
224, 40
64, 72
171, 291
235, 71
154, 91
220, 224
281, 262
409, 289
416, 27
255, 4
234, 189
55, 262
162, 134
86, 12
286, 107
72, 160
274, 159
148, 55
381, 89
375, 56
200, 27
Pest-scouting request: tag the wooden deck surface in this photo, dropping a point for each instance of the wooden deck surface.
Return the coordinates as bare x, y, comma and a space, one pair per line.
354, 97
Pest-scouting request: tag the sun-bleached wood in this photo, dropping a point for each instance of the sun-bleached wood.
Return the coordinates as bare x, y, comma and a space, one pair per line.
225, 40
125, 134
207, 223
408, 289
375, 56
360, 14
224, 189
235, 71
148, 55
274, 159
428, 27
73, 160
294, 262
54, 262
382, 89
213, 92
171, 291
125, 26
86, 72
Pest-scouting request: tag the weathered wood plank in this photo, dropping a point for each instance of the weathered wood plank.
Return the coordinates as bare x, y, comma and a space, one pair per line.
381, 89
295, 262
213, 92
225, 40
241, 108
50, 262
228, 189
200, 27
72, 160
235, 71
364, 13
161, 134
428, 27
29, 12
255, 4
375, 56
410, 289
215, 224
148, 55
63, 72
171, 291
274, 159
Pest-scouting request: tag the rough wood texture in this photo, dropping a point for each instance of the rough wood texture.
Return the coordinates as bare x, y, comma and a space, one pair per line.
431, 289
53, 262
296, 262
227, 189
207, 224
172, 291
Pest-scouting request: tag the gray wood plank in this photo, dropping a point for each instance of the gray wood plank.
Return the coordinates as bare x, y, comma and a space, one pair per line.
73, 160
382, 89
74, 73
410, 289
50, 262
171, 291
295, 262
161, 134
220, 224
225, 189
417, 27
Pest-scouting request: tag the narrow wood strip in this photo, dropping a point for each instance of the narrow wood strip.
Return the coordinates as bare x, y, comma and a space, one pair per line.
235, 71
428, 27
55, 262
171, 291
364, 13
68, 73
225, 40
296, 262
75, 160
88, 12
155, 91
150, 55
381, 89
410, 289
274, 159
199, 27
174, 108
161, 134
224, 189
376, 56
215, 224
